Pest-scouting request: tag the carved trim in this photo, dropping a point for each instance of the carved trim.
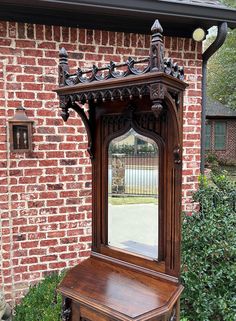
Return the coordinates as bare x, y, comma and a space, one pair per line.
65, 79
145, 121
64, 106
157, 48
157, 91
157, 95
63, 68
121, 93
66, 310
155, 62
157, 109
177, 155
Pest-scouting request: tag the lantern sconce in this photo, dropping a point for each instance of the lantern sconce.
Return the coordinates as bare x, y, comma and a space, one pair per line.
20, 127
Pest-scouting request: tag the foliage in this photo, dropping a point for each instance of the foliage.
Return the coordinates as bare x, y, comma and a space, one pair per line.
222, 68
131, 149
212, 161
230, 3
41, 303
209, 253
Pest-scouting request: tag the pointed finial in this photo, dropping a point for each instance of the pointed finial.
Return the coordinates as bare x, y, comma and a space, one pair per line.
63, 67
156, 27
63, 56
157, 48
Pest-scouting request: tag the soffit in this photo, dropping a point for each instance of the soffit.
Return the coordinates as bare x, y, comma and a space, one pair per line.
178, 18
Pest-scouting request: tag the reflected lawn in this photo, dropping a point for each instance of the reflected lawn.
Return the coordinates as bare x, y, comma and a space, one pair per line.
132, 200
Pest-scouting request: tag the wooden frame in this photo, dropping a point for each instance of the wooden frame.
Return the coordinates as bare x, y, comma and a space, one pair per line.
150, 101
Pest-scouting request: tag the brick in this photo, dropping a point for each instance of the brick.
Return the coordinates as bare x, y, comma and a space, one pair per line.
25, 44
29, 260
33, 172
57, 265
38, 267
55, 186
66, 256
47, 45
47, 62
56, 234
57, 249
33, 70
29, 245
68, 162
30, 228
48, 258
48, 243
56, 218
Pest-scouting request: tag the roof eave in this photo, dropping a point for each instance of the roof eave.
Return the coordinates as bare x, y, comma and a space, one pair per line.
177, 19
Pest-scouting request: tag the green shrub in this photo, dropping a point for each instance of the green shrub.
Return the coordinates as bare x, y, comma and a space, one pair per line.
41, 303
209, 253
212, 162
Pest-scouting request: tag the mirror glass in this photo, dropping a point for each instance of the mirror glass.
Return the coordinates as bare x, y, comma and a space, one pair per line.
133, 194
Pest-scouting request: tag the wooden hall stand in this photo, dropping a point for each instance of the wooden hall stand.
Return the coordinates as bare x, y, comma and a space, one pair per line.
128, 276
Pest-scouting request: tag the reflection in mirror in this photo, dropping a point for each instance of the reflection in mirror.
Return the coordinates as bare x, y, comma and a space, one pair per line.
133, 194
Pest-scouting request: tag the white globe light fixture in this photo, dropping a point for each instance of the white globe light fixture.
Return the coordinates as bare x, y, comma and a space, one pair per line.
199, 34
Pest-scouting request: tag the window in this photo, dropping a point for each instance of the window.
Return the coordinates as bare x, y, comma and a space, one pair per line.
208, 137
220, 135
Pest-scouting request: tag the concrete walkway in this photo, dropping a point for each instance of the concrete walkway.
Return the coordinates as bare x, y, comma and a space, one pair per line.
134, 228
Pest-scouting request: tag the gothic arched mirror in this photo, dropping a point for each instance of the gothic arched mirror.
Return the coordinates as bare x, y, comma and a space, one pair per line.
133, 171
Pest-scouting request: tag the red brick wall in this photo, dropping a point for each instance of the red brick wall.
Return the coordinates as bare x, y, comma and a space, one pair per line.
46, 195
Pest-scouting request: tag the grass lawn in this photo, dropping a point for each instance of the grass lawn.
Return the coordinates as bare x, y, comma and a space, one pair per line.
132, 200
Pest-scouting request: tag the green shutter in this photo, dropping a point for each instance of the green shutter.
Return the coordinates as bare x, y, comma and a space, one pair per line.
208, 137
220, 135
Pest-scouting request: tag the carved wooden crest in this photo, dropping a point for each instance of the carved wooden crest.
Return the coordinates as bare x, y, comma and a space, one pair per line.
123, 81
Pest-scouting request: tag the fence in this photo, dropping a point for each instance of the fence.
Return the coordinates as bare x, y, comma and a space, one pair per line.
133, 173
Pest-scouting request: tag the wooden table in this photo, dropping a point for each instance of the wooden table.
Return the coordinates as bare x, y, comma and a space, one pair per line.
101, 290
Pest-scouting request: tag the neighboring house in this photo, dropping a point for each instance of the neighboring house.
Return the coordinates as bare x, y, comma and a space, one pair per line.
45, 194
221, 132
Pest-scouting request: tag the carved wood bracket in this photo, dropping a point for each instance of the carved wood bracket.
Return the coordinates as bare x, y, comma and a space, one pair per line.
157, 95
66, 310
64, 106
175, 95
177, 155
69, 101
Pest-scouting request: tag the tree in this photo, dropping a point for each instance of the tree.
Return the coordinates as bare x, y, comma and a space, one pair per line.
222, 69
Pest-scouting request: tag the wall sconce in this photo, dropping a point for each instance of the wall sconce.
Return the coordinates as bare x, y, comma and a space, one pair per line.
20, 127
199, 34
